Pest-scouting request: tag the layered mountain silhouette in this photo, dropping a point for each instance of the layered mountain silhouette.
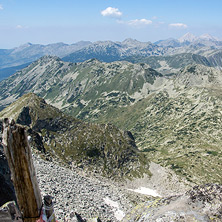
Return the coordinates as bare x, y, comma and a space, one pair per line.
106, 51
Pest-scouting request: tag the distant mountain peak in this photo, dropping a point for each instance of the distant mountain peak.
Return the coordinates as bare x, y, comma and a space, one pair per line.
26, 44
104, 42
208, 37
130, 40
188, 37
47, 58
23, 46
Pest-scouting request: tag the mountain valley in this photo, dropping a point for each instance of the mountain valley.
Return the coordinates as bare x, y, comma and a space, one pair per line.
120, 116
173, 118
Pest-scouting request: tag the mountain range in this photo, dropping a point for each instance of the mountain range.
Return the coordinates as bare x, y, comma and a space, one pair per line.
12, 60
175, 119
190, 39
30, 52
116, 111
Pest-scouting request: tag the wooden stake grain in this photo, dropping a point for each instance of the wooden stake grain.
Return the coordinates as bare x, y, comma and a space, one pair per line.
23, 174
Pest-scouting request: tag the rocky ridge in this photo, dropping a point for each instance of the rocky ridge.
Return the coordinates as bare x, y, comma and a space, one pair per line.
103, 149
75, 190
172, 64
95, 197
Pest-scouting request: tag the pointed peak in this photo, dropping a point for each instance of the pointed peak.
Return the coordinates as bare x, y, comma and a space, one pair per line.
130, 40
207, 37
25, 45
14, 109
188, 37
48, 58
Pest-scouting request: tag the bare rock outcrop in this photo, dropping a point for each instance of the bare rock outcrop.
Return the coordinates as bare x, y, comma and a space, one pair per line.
201, 203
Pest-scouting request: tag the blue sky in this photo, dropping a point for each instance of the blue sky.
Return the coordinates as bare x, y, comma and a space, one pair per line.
70, 21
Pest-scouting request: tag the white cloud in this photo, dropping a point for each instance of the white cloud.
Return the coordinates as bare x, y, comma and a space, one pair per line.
138, 22
19, 27
111, 12
1, 7
178, 25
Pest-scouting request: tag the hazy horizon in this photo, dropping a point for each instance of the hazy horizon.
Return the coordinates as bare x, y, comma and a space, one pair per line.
70, 21
36, 43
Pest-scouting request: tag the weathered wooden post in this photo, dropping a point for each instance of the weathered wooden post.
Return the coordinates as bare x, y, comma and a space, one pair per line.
18, 153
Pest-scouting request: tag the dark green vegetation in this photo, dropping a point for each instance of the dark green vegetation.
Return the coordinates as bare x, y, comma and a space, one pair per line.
103, 149
168, 64
109, 51
176, 119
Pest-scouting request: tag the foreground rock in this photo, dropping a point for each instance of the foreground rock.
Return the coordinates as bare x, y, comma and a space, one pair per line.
202, 203
74, 191
6, 187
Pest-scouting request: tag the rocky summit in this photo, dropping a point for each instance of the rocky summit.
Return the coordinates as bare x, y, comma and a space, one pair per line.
75, 191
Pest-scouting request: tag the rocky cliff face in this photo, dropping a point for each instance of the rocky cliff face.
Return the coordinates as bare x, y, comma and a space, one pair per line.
7, 192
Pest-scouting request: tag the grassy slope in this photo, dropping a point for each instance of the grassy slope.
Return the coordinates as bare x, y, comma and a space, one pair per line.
182, 133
